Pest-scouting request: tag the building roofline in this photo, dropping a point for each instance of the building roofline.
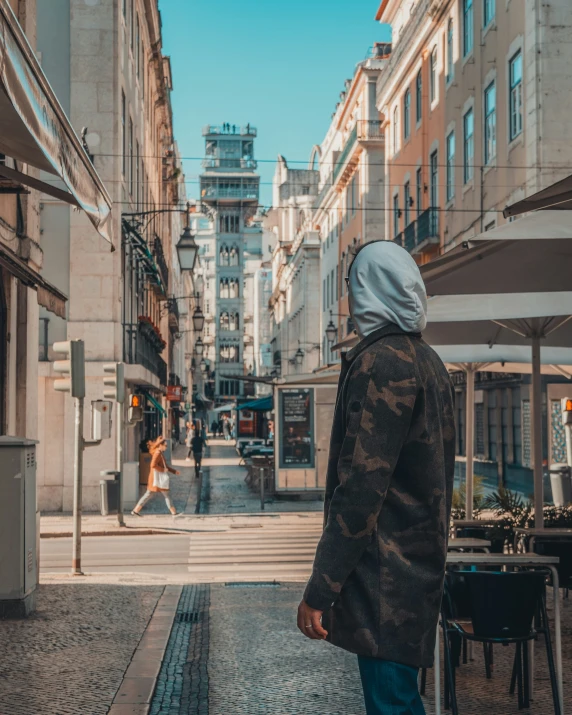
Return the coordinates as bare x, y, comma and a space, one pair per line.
381, 10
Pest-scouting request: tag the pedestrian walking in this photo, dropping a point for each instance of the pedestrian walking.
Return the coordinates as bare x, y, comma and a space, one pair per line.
159, 480
378, 573
214, 428
197, 447
226, 428
220, 428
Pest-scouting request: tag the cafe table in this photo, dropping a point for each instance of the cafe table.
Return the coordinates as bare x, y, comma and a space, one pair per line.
455, 558
565, 534
469, 544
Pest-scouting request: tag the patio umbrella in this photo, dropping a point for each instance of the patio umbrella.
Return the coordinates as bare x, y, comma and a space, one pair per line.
531, 254
519, 320
556, 196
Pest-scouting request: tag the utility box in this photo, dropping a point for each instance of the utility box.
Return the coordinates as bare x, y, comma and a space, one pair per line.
561, 483
18, 527
101, 411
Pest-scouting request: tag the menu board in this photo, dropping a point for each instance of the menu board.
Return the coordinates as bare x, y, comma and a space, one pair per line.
296, 428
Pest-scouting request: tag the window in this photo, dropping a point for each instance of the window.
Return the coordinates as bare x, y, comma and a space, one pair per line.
234, 323
450, 62
337, 293
406, 114
224, 256
233, 288
224, 321
131, 172
132, 23
343, 276
419, 97
515, 98
328, 291
488, 12
138, 187
434, 169
468, 145
433, 75
124, 8
229, 223
324, 294
396, 213
419, 190
467, 27
137, 49
234, 256
395, 130
229, 353
332, 286
450, 166
407, 202
490, 122
124, 133
224, 288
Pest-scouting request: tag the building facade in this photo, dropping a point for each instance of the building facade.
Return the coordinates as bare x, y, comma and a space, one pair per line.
229, 187
115, 83
474, 101
295, 299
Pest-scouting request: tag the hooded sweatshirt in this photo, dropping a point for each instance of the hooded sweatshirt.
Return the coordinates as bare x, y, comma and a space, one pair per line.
386, 287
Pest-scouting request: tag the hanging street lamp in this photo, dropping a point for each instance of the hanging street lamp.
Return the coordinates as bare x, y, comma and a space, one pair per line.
204, 366
331, 332
299, 356
187, 248
199, 347
198, 320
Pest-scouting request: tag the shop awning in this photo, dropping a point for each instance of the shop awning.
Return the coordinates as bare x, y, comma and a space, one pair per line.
264, 404
34, 129
156, 404
49, 296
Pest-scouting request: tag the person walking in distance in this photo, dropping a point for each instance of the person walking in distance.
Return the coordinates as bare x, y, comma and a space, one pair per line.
379, 568
198, 444
226, 428
214, 428
159, 481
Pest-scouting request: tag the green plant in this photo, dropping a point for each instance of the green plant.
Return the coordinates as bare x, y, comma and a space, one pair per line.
459, 500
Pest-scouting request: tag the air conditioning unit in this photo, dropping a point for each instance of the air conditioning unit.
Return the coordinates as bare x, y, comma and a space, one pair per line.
19, 527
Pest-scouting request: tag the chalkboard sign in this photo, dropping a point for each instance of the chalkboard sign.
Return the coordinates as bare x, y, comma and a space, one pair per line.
296, 428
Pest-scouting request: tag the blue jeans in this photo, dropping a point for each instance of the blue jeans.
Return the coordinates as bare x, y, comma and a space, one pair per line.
389, 688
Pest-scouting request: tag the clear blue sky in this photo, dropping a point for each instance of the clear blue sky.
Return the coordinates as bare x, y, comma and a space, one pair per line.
278, 66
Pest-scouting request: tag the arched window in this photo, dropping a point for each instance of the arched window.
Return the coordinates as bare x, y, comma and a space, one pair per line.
450, 50
224, 255
224, 321
224, 288
433, 75
419, 96
233, 321
234, 256
233, 288
395, 129
407, 114
229, 353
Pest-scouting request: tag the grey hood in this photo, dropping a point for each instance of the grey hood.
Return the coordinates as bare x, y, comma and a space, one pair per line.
386, 287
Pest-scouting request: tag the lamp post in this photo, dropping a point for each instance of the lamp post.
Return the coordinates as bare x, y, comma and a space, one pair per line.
187, 249
299, 357
198, 320
204, 366
199, 347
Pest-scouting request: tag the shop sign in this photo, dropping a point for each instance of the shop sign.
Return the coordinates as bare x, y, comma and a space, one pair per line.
297, 428
174, 393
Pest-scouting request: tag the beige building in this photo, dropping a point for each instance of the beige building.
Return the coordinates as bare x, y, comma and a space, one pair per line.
474, 102
39, 151
115, 83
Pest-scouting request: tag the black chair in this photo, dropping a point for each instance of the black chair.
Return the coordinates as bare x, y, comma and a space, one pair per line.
563, 549
502, 609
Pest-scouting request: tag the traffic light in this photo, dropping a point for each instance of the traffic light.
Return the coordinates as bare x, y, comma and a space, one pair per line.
72, 368
567, 411
135, 413
115, 384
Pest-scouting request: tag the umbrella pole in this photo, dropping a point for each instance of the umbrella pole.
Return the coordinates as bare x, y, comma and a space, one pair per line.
536, 433
469, 438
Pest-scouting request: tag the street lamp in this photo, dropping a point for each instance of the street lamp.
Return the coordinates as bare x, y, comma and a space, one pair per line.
204, 366
331, 331
199, 347
299, 356
199, 284
198, 320
187, 248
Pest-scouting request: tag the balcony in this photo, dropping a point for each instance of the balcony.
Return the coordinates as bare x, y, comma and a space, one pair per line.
142, 348
423, 232
213, 162
161, 263
370, 131
365, 133
346, 153
234, 190
229, 129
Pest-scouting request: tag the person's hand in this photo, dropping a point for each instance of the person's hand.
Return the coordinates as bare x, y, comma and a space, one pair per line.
310, 623
177, 473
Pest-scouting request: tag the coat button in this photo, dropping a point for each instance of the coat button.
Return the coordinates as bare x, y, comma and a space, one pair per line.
355, 406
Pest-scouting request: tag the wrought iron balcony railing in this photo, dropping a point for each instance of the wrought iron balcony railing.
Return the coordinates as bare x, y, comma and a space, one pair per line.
159, 257
248, 130
214, 162
141, 349
423, 231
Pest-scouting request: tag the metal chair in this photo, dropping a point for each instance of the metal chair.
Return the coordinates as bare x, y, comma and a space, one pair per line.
502, 610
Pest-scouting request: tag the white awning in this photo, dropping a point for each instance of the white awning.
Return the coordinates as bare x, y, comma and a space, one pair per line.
35, 130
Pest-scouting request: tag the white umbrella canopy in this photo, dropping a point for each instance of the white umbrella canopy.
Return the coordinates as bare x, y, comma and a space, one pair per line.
556, 196
531, 254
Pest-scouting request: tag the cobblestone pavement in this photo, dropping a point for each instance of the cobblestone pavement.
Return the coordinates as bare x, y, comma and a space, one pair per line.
70, 656
230, 495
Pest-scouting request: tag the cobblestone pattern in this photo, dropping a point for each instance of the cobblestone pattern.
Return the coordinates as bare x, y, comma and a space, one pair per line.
260, 663
230, 495
69, 658
182, 686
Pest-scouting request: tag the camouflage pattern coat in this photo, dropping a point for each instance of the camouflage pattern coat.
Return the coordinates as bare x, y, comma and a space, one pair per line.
380, 564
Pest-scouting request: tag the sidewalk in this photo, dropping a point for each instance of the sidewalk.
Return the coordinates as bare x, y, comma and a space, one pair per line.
229, 502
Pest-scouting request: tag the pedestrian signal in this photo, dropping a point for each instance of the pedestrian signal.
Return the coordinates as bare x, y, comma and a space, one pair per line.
135, 413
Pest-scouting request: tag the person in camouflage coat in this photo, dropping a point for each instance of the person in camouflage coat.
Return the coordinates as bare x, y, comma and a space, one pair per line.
379, 568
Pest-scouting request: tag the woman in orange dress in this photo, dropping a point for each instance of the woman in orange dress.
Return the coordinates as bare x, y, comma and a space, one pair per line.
158, 464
